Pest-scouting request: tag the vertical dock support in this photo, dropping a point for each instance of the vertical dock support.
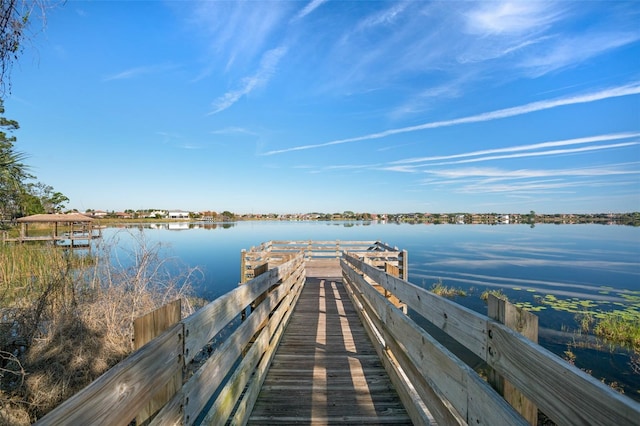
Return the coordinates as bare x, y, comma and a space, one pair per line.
525, 323
147, 328
243, 279
243, 266
405, 265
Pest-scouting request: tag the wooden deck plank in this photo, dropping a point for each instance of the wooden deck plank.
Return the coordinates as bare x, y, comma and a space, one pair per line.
326, 370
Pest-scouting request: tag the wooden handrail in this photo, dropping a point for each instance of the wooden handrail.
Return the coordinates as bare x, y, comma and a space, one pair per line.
472, 398
118, 395
273, 253
564, 393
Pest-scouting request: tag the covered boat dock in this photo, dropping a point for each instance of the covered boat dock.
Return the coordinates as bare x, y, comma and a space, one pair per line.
68, 230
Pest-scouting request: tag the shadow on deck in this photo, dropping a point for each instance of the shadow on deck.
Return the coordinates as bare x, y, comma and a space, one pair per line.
326, 370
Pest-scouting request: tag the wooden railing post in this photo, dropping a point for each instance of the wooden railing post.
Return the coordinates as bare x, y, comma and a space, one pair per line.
405, 265
147, 328
394, 271
525, 323
243, 266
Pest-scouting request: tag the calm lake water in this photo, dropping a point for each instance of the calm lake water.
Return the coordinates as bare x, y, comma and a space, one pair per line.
556, 270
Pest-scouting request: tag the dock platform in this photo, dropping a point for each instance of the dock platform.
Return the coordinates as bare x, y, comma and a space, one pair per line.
326, 370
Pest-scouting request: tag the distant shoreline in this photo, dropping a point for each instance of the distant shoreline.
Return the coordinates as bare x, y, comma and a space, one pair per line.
630, 219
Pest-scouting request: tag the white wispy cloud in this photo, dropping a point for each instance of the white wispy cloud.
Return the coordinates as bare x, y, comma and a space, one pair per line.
495, 42
613, 92
550, 144
310, 7
425, 99
177, 140
382, 46
169, 136
509, 17
233, 130
139, 71
383, 17
499, 173
572, 51
514, 152
542, 153
266, 70
236, 32
474, 180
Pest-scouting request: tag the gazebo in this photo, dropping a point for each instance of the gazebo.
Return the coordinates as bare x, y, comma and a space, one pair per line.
78, 229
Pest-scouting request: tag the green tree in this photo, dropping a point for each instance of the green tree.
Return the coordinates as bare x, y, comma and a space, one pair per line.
52, 201
31, 205
13, 172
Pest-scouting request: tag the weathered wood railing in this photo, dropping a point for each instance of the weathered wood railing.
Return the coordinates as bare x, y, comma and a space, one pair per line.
223, 387
426, 374
272, 253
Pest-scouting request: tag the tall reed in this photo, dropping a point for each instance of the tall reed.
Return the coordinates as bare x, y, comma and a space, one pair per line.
25, 270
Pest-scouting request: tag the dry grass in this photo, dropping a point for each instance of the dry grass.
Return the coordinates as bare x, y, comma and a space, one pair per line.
64, 321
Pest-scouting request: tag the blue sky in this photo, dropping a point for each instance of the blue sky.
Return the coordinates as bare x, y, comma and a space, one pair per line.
301, 106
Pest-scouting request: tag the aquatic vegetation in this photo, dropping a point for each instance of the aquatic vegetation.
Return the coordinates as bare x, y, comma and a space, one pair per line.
631, 297
530, 306
586, 321
614, 322
617, 328
497, 293
570, 356
445, 291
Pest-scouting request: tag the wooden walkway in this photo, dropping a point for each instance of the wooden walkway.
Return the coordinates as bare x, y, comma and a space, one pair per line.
326, 370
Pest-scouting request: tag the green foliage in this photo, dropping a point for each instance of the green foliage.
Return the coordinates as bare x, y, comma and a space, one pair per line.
615, 327
13, 172
31, 205
616, 322
51, 201
442, 290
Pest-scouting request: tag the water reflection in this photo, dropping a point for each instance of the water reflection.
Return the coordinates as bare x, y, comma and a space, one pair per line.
178, 226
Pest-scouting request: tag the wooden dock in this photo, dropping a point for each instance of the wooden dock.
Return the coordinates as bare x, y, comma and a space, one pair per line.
73, 230
326, 370
323, 345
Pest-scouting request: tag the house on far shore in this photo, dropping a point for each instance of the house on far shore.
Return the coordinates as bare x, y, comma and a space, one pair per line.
96, 213
123, 215
157, 214
178, 214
